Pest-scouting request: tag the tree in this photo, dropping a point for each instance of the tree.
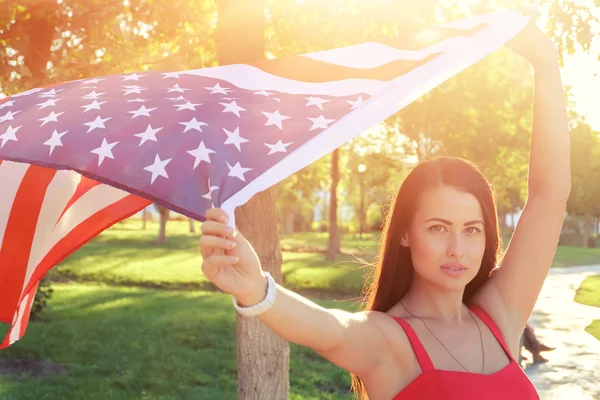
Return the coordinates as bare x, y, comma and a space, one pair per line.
163, 213
333, 245
263, 356
585, 171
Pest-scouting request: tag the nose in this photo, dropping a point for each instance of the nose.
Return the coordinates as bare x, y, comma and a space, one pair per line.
455, 246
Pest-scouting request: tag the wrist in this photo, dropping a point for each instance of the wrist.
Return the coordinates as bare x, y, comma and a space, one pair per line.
255, 293
547, 62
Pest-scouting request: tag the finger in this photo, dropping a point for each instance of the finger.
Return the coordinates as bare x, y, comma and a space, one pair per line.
217, 214
216, 229
212, 265
208, 244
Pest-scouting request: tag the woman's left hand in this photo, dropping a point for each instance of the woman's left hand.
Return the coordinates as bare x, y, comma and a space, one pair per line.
534, 45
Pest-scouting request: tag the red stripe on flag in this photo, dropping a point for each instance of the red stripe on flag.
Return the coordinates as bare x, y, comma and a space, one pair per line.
82, 188
86, 231
25, 314
18, 237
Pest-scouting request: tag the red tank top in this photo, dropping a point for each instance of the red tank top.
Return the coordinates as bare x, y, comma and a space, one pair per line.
508, 383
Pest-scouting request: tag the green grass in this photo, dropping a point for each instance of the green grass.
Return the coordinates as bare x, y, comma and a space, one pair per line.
126, 255
567, 256
136, 343
589, 293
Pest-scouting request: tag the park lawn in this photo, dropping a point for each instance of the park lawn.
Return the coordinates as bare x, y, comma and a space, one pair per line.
589, 293
137, 343
126, 255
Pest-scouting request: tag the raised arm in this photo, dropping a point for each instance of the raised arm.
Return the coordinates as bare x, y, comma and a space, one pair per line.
531, 250
354, 342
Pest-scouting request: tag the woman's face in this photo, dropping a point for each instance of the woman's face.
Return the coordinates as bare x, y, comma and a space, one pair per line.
447, 238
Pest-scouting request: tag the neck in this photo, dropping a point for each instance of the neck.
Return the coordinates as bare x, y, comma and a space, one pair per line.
429, 301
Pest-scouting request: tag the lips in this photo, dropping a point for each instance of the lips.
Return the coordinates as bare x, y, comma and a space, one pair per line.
454, 266
453, 269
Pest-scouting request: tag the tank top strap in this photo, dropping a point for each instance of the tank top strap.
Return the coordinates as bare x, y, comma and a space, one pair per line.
492, 326
422, 357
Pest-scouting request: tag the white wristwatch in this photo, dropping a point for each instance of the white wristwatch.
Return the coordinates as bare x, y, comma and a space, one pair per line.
264, 305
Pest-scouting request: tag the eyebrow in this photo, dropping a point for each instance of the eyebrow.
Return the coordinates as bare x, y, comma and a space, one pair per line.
444, 221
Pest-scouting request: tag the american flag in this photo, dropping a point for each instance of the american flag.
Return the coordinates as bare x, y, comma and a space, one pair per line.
80, 156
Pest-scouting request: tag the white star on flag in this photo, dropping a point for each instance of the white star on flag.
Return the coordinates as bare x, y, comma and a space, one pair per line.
237, 171
137, 100
278, 147
264, 93
201, 154
148, 134
158, 168
9, 103
133, 89
211, 189
232, 108
316, 101
193, 124
97, 123
180, 98
94, 80
357, 103
187, 106
170, 75
234, 138
217, 89
320, 122
54, 140
132, 77
52, 117
9, 135
48, 103
105, 150
176, 88
141, 112
94, 105
93, 95
8, 116
49, 93
275, 118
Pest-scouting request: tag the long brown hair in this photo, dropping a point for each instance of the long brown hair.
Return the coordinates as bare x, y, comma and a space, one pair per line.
392, 270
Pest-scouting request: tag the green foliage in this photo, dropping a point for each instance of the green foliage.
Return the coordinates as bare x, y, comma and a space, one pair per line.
42, 297
585, 169
589, 291
589, 294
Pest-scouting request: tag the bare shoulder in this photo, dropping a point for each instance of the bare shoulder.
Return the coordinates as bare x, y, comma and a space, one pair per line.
396, 340
398, 367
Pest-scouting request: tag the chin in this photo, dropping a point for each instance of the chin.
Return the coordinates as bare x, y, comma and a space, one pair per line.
454, 282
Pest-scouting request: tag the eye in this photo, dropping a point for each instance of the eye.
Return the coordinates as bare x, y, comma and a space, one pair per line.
473, 229
437, 228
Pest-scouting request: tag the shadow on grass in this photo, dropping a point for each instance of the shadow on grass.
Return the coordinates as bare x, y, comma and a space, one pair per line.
131, 343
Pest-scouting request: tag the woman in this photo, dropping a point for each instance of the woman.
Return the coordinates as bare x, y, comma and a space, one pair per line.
444, 314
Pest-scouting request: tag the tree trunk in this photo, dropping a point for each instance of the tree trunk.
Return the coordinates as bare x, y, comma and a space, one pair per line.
164, 217
262, 356
586, 230
192, 225
363, 214
333, 247
144, 218
289, 218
